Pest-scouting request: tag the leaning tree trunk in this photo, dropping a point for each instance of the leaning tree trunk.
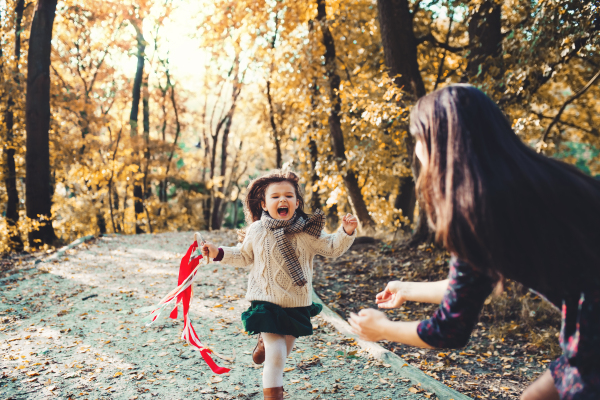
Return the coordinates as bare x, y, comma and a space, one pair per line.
355, 196
146, 123
10, 180
276, 137
38, 192
401, 58
170, 87
138, 192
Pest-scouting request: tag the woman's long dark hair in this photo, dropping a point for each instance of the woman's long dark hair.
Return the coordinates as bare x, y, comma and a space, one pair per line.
499, 205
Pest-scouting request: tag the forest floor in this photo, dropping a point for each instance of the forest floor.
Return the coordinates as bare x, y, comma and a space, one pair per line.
515, 339
69, 329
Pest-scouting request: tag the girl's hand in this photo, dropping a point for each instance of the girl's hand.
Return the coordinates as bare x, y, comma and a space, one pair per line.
209, 250
369, 324
349, 223
393, 296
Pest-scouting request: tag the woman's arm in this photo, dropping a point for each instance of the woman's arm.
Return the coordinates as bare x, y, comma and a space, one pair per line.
241, 255
373, 325
451, 324
397, 292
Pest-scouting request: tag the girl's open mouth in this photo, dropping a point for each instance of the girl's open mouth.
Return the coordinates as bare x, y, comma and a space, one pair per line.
282, 211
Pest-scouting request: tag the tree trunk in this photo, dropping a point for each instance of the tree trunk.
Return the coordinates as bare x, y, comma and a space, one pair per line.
400, 45
401, 59
335, 127
165, 182
138, 192
162, 185
37, 121
276, 138
12, 204
406, 199
485, 38
217, 214
100, 220
315, 200
146, 124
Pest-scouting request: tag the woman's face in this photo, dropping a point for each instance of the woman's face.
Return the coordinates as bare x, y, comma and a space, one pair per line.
421, 153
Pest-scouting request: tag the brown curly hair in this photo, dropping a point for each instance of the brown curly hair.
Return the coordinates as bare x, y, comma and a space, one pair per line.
256, 195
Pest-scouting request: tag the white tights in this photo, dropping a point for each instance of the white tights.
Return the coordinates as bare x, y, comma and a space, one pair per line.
277, 348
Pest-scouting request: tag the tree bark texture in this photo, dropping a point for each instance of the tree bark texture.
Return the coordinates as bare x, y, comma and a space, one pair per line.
138, 192
164, 183
214, 205
217, 214
276, 138
10, 180
38, 190
400, 52
400, 45
355, 196
146, 162
315, 200
406, 199
485, 37
137, 81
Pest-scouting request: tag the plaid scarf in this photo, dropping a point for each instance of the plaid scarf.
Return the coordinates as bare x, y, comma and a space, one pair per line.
313, 226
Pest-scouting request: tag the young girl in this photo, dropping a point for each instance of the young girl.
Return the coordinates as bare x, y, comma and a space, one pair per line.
503, 211
279, 246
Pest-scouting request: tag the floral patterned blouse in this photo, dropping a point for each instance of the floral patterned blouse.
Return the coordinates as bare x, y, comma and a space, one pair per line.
576, 372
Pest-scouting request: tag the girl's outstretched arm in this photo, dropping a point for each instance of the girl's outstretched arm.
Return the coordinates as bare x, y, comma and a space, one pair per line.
331, 245
241, 255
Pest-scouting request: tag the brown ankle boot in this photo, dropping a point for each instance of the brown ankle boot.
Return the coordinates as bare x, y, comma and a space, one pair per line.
275, 393
258, 355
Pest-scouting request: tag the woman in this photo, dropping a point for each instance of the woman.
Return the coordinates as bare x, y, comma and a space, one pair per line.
502, 211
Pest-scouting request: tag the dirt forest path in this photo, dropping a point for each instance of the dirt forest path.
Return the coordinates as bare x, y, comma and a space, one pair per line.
72, 332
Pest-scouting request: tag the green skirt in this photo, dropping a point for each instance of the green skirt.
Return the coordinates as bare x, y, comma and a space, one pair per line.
263, 316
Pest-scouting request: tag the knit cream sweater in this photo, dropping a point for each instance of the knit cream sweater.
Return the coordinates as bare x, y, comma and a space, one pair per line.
269, 278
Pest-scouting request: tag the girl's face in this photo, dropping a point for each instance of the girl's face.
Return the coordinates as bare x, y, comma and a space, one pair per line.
280, 200
421, 154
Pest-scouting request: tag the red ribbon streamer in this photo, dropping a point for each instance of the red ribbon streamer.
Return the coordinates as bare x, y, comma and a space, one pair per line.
186, 267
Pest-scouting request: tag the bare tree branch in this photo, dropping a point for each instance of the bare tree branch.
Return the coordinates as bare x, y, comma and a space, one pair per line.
431, 39
565, 123
564, 106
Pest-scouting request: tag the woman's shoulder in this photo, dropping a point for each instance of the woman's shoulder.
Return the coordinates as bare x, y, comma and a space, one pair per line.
463, 271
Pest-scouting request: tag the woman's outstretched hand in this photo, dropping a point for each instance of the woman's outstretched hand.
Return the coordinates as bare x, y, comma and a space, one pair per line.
393, 296
209, 250
369, 324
